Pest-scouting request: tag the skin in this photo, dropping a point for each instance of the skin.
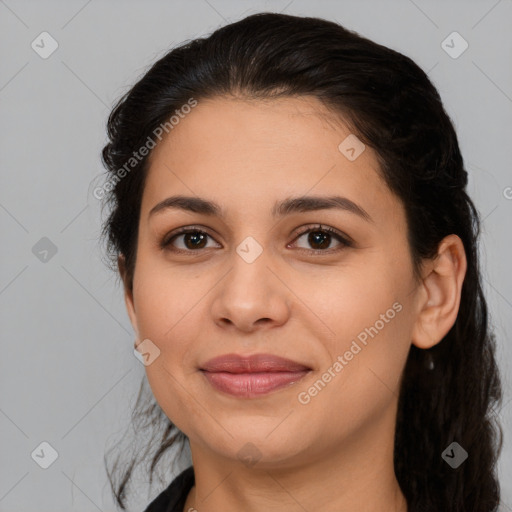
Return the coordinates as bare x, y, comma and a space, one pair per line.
334, 453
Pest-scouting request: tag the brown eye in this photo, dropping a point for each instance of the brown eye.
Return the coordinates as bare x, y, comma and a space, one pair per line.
320, 238
192, 240
195, 239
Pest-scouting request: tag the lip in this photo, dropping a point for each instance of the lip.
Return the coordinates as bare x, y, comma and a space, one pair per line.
256, 363
252, 376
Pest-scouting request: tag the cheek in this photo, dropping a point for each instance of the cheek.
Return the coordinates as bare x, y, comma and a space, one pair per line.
166, 315
366, 324
165, 299
342, 302
361, 377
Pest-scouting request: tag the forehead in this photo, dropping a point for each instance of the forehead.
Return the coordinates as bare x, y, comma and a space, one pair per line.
251, 153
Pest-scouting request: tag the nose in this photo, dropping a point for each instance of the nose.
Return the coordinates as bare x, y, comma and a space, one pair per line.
251, 296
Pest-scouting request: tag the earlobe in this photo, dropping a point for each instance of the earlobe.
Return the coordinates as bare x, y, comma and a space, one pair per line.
442, 287
128, 294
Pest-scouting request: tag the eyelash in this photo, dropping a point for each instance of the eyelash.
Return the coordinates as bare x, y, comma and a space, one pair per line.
345, 242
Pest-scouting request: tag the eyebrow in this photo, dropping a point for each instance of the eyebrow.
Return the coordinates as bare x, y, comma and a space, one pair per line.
280, 209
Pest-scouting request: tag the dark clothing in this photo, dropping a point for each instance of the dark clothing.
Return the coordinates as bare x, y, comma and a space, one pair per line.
173, 498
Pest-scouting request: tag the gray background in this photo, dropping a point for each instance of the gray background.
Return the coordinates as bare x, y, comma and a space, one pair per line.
67, 372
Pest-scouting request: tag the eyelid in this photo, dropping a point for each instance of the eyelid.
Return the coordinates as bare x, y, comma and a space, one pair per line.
322, 227
166, 240
343, 239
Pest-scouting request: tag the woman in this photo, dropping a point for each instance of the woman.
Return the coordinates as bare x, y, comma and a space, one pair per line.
289, 216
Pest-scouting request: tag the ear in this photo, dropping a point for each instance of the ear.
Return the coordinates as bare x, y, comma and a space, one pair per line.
128, 296
441, 291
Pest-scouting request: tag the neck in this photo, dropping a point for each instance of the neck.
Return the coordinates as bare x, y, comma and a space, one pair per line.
356, 475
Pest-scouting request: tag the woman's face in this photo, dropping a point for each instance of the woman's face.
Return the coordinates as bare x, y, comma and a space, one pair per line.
255, 284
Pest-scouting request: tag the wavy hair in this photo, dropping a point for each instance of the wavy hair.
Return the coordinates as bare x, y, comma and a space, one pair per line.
390, 103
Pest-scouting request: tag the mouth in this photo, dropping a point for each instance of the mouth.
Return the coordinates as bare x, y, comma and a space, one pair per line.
252, 376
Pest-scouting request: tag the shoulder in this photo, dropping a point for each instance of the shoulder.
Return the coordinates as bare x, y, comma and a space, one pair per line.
173, 498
